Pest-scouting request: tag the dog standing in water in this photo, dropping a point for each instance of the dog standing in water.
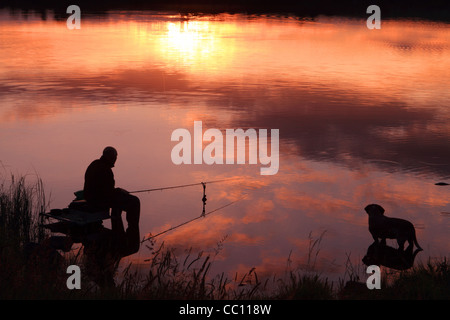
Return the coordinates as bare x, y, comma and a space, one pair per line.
383, 227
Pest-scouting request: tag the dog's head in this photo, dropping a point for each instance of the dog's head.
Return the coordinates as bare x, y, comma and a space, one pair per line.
374, 210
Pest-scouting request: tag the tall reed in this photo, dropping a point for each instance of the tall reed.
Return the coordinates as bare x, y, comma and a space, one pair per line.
20, 206
21, 203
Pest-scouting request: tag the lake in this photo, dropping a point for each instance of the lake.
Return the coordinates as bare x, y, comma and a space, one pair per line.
363, 117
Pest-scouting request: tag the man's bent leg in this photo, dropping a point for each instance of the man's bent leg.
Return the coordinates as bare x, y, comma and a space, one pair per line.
118, 231
116, 221
130, 241
133, 211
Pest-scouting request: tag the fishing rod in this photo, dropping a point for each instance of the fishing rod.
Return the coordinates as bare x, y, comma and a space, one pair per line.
184, 185
204, 213
203, 184
191, 220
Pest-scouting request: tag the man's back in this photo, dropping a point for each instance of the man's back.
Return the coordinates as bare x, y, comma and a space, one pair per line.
99, 183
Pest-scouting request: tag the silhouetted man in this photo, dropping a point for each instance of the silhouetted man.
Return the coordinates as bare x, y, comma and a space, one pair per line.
100, 192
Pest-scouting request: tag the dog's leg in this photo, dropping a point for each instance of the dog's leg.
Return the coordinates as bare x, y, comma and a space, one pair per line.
401, 244
410, 247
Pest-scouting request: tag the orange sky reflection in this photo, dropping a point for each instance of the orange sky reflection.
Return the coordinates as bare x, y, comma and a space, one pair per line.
363, 118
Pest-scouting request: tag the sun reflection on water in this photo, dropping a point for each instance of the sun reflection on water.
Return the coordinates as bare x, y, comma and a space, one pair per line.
345, 100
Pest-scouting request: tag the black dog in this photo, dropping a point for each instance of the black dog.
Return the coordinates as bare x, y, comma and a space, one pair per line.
383, 227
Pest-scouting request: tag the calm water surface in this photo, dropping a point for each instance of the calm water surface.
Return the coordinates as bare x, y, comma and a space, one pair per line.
363, 117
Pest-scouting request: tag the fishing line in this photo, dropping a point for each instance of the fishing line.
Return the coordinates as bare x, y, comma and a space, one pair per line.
204, 214
199, 217
183, 186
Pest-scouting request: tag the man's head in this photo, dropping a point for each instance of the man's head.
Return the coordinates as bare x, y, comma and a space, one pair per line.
110, 155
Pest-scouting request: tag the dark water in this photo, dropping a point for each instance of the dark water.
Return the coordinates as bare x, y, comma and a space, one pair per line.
363, 117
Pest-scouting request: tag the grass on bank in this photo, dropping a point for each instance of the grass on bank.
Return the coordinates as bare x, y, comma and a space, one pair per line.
171, 275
